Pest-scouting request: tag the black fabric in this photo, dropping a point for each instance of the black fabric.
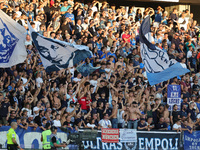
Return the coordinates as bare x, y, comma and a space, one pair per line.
11, 147
53, 139
4, 109
175, 116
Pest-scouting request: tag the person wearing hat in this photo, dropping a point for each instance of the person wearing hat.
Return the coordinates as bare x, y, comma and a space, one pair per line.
54, 141
45, 138
11, 137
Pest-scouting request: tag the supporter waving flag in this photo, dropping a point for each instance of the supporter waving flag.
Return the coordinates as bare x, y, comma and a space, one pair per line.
158, 66
12, 36
56, 54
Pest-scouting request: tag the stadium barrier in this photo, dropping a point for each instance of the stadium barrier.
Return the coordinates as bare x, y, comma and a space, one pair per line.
128, 139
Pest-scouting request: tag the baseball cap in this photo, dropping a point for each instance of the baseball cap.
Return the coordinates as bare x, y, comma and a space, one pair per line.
13, 82
137, 56
71, 102
36, 109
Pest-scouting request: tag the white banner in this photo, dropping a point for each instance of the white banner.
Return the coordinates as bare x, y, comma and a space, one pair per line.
128, 135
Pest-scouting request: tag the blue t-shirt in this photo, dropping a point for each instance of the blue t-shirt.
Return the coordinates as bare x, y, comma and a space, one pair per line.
70, 16
112, 54
158, 40
32, 14
165, 22
10, 88
99, 45
65, 8
164, 50
158, 16
133, 42
198, 106
135, 63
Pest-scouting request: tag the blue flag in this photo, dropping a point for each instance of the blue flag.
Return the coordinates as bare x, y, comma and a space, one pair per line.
56, 54
158, 66
86, 69
12, 46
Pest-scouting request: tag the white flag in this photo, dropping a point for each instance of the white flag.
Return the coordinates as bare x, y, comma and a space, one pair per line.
158, 66
12, 38
56, 54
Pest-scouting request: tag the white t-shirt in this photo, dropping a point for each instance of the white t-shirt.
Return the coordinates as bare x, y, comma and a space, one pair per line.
37, 26
198, 75
24, 81
94, 83
175, 126
183, 20
183, 65
38, 81
84, 26
57, 123
107, 69
19, 13
104, 123
198, 116
189, 54
69, 110
90, 125
72, 71
94, 8
24, 23
35, 109
76, 79
28, 42
120, 118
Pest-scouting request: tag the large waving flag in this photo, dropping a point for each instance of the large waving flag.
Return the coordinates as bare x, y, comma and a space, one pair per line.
12, 38
158, 66
56, 54
86, 69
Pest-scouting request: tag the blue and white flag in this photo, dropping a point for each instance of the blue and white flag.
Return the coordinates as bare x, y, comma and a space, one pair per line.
56, 54
12, 38
158, 66
86, 69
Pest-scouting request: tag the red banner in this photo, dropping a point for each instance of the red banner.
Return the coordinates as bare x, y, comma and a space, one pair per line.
110, 135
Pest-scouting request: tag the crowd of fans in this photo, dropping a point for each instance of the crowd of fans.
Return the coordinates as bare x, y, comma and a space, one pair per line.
118, 94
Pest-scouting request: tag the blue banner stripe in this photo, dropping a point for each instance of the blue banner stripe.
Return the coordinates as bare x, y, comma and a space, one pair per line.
171, 72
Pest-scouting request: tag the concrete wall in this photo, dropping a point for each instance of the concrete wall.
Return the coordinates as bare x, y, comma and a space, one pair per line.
196, 10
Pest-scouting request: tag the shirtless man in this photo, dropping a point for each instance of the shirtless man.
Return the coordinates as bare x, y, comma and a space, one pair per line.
45, 98
56, 100
114, 114
120, 62
133, 112
129, 95
166, 111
